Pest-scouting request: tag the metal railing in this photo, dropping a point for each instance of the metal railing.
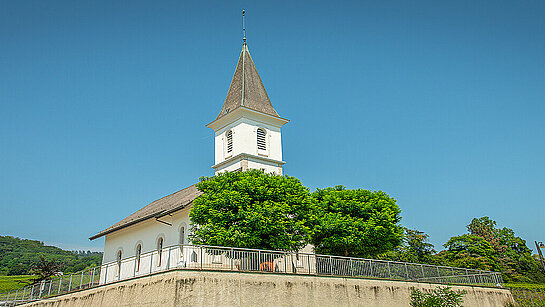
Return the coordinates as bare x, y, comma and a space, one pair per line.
200, 257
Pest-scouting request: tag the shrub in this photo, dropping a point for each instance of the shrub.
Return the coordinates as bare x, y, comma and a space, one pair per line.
438, 297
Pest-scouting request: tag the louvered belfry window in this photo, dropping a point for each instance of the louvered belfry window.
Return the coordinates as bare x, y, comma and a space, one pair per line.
261, 145
229, 141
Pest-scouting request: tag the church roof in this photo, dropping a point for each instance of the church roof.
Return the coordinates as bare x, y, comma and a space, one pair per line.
158, 208
246, 88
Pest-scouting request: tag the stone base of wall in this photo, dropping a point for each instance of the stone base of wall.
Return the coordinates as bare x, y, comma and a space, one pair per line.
211, 288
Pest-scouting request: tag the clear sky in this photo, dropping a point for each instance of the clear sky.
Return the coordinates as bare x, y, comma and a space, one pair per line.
103, 106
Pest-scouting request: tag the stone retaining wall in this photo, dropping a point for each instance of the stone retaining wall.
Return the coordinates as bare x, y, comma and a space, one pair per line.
211, 288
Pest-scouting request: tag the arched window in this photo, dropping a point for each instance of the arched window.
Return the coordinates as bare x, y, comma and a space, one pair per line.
261, 143
118, 260
159, 251
182, 235
138, 254
182, 240
229, 136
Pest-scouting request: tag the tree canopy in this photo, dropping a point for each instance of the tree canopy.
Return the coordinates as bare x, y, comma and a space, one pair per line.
252, 210
358, 223
20, 256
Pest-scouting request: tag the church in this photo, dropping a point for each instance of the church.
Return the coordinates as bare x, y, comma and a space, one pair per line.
247, 136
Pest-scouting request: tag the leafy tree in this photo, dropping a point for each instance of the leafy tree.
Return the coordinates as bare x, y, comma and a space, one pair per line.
490, 248
415, 248
513, 257
357, 223
253, 210
43, 270
470, 251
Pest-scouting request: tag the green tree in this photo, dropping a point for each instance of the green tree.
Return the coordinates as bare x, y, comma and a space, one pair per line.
415, 248
513, 257
357, 223
470, 251
252, 210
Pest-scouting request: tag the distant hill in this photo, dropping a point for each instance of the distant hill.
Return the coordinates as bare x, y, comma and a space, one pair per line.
17, 256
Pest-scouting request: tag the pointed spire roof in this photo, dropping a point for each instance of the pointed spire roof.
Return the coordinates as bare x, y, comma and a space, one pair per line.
246, 88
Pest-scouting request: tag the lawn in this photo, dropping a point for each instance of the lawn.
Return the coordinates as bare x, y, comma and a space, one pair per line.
524, 285
8, 283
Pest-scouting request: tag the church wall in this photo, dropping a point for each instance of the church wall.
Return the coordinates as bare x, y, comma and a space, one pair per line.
212, 288
146, 233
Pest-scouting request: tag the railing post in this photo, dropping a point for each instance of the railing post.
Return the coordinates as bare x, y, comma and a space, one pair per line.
40, 287
31, 292
134, 268
330, 266
81, 280
151, 262
201, 257
92, 282
70, 283
24, 291
16, 293
308, 262
60, 282
285, 262
422, 269
389, 271
50, 285
106, 275
232, 255
407, 271
168, 260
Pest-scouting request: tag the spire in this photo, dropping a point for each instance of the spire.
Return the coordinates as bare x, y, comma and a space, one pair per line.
243, 28
247, 88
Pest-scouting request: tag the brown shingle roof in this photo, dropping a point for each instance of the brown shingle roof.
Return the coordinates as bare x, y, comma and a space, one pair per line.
162, 206
246, 88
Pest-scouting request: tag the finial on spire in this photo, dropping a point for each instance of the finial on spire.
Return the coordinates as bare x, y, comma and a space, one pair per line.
243, 27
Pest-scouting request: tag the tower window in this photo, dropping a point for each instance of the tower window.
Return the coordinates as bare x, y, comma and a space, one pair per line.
261, 144
229, 135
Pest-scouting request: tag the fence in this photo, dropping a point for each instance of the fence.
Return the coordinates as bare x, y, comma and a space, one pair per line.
240, 259
529, 297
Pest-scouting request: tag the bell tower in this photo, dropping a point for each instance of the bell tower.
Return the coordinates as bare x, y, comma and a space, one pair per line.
248, 128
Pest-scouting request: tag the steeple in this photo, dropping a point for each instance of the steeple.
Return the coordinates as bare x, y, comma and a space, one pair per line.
247, 88
248, 129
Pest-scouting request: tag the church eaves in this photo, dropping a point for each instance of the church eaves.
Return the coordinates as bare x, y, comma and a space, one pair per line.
246, 88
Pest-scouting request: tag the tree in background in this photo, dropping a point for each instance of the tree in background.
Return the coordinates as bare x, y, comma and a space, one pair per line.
357, 223
252, 210
415, 247
490, 248
470, 251
43, 270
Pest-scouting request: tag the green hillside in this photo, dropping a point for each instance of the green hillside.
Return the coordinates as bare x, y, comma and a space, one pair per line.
17, 256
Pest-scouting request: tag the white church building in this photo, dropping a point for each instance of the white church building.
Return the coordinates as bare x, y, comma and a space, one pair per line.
247, 136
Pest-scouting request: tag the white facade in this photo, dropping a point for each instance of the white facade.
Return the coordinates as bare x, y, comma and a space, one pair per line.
245, 138
148, 236
236, 142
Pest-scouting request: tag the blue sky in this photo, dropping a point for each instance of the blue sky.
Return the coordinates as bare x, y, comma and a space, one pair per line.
103, 106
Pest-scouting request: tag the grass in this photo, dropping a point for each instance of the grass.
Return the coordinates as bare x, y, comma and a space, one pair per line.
8, 283
524, 285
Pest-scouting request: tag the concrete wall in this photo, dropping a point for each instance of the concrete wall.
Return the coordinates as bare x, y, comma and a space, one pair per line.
208, 288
